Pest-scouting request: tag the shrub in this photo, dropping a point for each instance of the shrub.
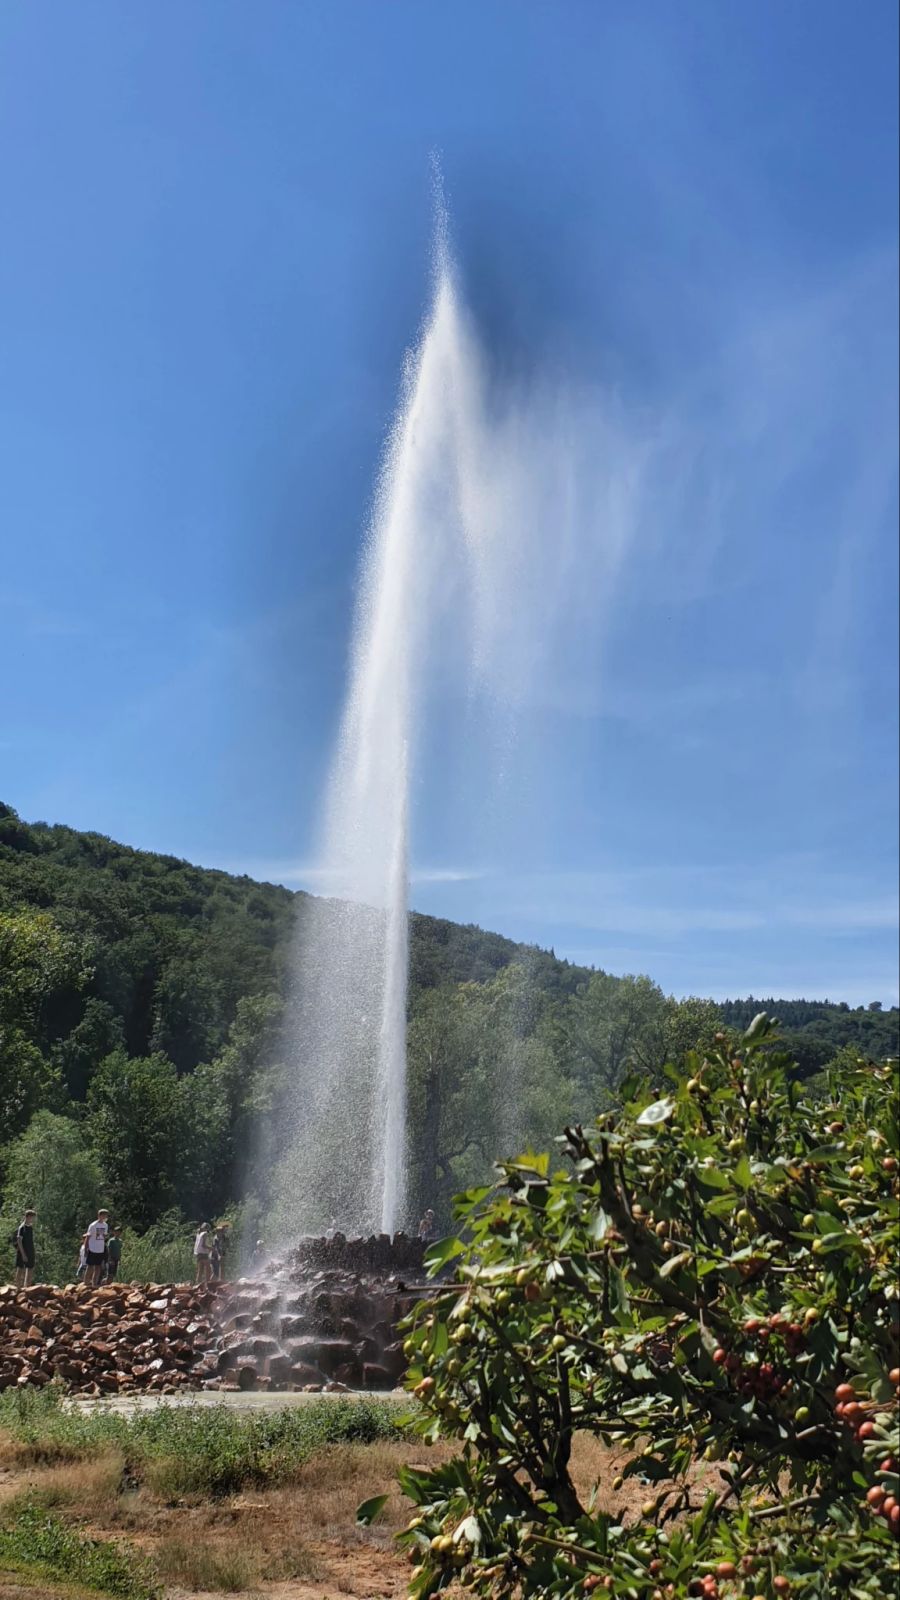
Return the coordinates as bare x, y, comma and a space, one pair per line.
710, 1287
34, 1541
209, 1450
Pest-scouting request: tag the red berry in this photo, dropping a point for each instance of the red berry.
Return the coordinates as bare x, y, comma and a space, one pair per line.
887, 1464
887, 1505
781, 1585
875, 1496
844, 1391
720, 1356
865, 1430
889, 1164
853, 1411
752, 1325
894, 1375
895, 1517
726, 1569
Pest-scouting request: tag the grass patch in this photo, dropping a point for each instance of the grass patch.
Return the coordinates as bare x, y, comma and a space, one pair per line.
194, 1450
197, 1566
35, 1543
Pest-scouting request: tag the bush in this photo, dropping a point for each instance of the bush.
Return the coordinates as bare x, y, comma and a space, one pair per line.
711, 1288
207, 1450
32, 1541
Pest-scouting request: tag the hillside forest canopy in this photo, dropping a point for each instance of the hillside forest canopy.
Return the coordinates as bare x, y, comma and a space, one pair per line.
143, 1042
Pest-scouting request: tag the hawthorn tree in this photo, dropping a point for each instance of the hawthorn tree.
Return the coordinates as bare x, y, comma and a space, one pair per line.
710, 1287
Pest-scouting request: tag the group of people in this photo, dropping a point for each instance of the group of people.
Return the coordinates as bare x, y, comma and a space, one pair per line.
209, 1252
98, 1257
100, 1252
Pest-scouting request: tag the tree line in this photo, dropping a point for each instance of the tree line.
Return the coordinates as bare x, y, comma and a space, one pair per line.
142, 1039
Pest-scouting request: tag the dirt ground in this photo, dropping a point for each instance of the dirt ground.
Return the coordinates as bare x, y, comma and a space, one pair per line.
300, 1542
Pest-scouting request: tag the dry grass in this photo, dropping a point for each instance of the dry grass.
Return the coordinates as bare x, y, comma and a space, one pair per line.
15, 1587
198, 1567
299, 1541
231, 1565
322, 1500
90, 1487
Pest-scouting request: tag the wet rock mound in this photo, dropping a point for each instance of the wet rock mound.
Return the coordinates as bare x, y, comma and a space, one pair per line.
326, 1316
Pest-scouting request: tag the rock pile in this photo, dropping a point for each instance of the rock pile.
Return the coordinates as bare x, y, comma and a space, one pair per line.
329, 1330
101, 1341
325, 1317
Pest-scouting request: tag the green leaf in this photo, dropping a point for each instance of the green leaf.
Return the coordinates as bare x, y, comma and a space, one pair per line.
370, 1509
659, 1111
443, 1250
600, 1225
758, 1028
467, 1531
674, 1262
743, 1173
712, 1178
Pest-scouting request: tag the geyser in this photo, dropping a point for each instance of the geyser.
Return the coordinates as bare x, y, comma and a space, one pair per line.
474, 556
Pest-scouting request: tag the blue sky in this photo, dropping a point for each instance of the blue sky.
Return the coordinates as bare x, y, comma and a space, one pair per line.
216, 238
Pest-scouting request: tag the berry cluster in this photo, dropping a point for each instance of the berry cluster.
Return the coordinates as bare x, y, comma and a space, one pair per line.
855, 1414
707, 1587
758, 1377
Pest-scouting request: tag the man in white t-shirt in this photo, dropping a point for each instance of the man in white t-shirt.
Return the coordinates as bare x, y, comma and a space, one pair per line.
96, 1248
203, 1252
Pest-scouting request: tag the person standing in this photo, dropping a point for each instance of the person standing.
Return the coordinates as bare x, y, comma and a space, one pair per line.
113, 1255
82, 1259
203, 1253
217, 1256
24, 1243
426, 1227
96, 1248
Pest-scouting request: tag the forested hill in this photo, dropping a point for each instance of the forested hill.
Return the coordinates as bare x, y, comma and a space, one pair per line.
172, 948
141, 1038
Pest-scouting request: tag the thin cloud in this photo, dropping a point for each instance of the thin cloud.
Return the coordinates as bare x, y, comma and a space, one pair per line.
312, 875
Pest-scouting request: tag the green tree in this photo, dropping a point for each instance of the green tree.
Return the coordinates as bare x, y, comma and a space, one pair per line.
36, 958
609, 1029
27, 1081
50, 1167
201, 1182
136, 1133
482, 1077
710, 1288
77, 1056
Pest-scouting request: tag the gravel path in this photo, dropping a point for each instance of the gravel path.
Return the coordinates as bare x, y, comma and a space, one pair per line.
128, 1405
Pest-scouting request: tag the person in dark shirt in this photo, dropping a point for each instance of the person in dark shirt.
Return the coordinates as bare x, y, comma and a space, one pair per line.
113, 1255
24, 1238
